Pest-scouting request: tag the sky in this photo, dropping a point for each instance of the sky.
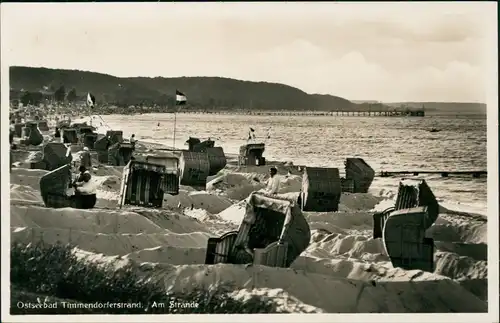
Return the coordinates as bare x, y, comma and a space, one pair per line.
387, 52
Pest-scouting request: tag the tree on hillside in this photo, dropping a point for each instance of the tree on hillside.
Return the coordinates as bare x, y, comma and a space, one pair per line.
31, 98
26, 98
60, 94
71, 96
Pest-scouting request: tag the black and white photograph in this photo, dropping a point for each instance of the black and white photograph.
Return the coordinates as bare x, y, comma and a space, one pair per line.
312, 158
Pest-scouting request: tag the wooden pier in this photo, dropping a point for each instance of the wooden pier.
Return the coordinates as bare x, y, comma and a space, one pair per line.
353, 113
444, 173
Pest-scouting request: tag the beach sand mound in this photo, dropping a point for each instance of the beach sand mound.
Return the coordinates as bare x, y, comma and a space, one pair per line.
234, 186
474, 251
109, 183
237, 186
170, 255
344, 220
358, 201
105, 170
415, 292
27, 177
171, 220
114, 244
460, 267
19, 156
95, 220
450, 229
23, 193
130, 220
285, 302
349, 246
212, 203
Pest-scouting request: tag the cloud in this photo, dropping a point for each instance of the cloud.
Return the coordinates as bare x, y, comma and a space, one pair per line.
398, 51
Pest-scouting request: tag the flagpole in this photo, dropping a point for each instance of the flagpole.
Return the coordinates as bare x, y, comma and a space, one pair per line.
90, 115
180, 99
175, 122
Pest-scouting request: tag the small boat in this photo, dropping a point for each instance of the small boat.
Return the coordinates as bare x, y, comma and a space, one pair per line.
434, 130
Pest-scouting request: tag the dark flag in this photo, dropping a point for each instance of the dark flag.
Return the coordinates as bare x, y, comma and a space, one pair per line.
180, 98
90, 100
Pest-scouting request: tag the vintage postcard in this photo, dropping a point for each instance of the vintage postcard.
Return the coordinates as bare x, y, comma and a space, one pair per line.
331, 161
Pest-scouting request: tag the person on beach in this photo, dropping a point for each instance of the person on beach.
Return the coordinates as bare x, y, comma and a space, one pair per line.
85, 158
12, 131
85, 194
57, 134
133, 140
273, 183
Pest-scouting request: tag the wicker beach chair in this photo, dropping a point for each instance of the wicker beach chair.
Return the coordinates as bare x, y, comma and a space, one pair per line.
53, 188
194, 168
361, 174
251, 155
273, 233
114, 136
55, 155
142, 184
89, 140
69, 135
171, 177
43, 125
321, 189
120, 153
403, 226
31, 134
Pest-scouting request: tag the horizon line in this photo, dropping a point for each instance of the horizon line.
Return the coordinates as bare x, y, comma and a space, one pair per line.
241, 80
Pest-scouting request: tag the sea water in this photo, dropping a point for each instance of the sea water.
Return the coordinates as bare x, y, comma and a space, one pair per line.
385, 143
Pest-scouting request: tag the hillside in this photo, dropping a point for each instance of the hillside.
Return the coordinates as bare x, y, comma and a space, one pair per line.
202, 92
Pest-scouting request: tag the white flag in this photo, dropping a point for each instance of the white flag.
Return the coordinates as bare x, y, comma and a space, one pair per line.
90, 100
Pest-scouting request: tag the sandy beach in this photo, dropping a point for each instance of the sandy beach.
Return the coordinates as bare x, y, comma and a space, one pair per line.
343, 270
